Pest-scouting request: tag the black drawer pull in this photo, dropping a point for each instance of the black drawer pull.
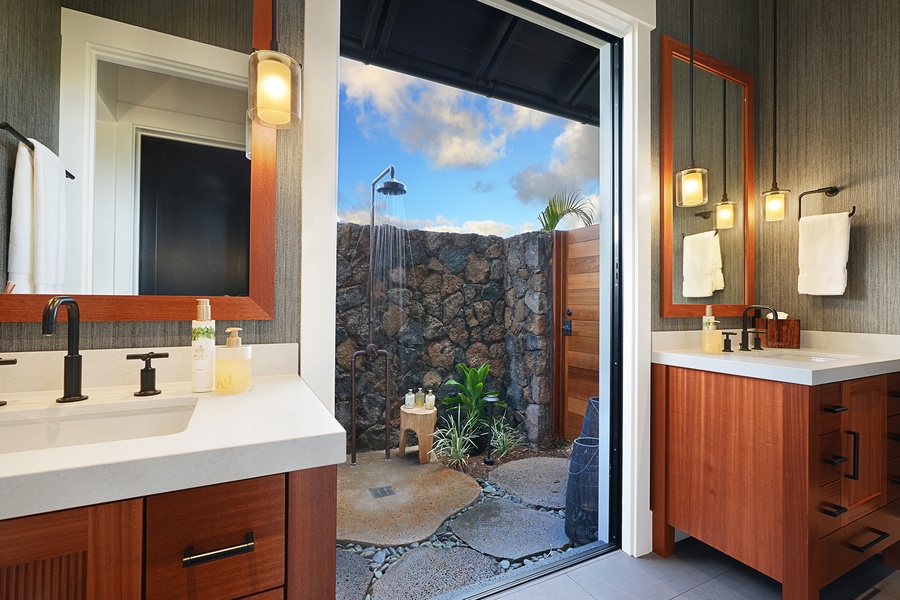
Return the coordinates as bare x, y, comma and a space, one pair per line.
833, 510
190, 559
855, 474
895, 480
894, 437
894, 394
834, 460
837, 408
882, 535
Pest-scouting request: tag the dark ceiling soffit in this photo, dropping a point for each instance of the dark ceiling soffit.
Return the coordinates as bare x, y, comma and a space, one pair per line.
451, 77
582, 76
379, 22
498, 45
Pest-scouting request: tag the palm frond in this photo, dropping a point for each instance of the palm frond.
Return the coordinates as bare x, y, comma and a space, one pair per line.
562, 204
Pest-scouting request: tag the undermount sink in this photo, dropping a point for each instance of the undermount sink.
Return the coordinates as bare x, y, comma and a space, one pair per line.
62, 425
796, 356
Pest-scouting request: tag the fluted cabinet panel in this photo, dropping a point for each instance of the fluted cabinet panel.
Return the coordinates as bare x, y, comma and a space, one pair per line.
56, 578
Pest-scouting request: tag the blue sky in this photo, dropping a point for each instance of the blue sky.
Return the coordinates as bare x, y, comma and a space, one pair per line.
470, 164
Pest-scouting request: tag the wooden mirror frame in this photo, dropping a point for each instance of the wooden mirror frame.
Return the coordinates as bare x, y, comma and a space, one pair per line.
672, 49
258, 305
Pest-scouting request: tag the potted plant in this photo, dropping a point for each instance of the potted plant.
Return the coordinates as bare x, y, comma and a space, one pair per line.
470, 403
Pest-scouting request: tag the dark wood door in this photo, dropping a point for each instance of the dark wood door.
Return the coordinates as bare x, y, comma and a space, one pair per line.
576, 306
195, 202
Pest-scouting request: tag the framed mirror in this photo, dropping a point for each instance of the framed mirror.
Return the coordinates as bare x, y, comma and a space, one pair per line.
257, 304
723, 144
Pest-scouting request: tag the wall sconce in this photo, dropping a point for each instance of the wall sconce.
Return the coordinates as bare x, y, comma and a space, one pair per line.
725, 207
274, 84
776, 198
725, 214
691, 184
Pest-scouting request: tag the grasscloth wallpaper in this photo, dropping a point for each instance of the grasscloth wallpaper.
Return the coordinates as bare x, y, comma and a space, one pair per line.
29, 35
838, 124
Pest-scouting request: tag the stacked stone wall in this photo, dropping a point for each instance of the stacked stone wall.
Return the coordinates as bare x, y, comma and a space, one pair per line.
468, 299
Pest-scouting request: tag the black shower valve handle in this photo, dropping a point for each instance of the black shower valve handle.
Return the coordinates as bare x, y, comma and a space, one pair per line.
148, 373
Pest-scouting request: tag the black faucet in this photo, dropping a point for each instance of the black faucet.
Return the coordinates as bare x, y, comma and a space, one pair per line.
745, 340
72, 360
7, 361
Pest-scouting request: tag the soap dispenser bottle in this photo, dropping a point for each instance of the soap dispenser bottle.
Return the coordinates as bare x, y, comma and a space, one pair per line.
234, 365
710, 340
203, 349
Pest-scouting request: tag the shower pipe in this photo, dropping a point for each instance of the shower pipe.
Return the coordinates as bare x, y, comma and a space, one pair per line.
391, 187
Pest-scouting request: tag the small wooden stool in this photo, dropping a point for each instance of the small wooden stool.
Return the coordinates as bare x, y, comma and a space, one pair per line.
422, 422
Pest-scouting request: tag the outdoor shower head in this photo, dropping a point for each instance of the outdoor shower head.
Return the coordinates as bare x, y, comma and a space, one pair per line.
392, 187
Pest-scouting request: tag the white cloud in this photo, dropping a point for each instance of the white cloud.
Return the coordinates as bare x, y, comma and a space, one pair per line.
483, 187
451, 127
441, 223
574, 165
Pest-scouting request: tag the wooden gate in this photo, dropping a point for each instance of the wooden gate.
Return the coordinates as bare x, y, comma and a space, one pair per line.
576, 326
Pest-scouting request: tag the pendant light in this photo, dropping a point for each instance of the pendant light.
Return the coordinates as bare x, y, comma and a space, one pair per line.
725, 207
274, 84
775, 199
691, 183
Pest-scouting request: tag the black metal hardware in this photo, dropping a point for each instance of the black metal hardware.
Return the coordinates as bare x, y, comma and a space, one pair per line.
568, 312
727, 344
895, 480
190, 559
25, 140
855, 436
835, 459
833, 510
148, 373
7, 361
834, 409
72, 359
830, 191
894, 394
757, 343
894, 437
882, 535
567, 327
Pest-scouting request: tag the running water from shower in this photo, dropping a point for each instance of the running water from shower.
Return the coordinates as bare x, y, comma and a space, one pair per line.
388, 242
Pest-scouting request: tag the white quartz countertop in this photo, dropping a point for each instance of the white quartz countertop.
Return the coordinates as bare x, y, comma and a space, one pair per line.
805, 366
278, 426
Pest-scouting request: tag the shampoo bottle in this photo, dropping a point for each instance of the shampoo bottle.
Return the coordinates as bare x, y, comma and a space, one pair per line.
429, 399
410, 399
203, 349
420, 399
234, 365
711, 340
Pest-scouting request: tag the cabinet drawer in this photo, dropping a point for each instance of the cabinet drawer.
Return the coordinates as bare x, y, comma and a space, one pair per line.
893, 431
830, 450
857, 542
893, 387
215, 525
830, 407
829, 499
893, 475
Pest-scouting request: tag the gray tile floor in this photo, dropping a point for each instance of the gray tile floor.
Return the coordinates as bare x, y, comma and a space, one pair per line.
695, 572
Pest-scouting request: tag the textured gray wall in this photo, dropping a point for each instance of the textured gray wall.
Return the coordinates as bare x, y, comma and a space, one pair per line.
30, 102
727, 30
838, 124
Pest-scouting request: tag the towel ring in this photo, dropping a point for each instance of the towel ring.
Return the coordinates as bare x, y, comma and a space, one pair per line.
830, 191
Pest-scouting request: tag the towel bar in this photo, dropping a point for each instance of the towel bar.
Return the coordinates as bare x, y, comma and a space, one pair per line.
828, 191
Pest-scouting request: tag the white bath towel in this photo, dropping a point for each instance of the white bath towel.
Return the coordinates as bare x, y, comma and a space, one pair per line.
717, 276
824, 249
700, 262
37, 233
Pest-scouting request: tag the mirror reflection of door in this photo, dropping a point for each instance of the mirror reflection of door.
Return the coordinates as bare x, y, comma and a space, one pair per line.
193, 204
718, 147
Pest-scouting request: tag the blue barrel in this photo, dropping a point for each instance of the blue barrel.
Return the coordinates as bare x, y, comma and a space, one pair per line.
590, 427
582, 491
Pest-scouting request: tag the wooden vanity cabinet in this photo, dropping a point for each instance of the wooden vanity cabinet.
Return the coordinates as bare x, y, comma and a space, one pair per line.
266, 538
798, 482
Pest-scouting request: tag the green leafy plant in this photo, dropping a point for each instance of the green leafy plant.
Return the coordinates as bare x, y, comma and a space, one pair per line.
563, 204
504, 439
454, 442
470, 398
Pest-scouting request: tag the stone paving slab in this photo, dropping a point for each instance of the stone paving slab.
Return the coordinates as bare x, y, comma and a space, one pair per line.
539, 481
428, 572
399, 501
506, 529
352, 576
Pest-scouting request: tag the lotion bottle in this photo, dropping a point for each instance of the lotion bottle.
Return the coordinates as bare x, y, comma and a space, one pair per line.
410, 399
429, 399
203, 349
234, 365
710, 340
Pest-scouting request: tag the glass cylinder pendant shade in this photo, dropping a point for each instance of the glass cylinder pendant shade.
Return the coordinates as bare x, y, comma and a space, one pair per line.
274, 95
691, 187
725, 215
775, 201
